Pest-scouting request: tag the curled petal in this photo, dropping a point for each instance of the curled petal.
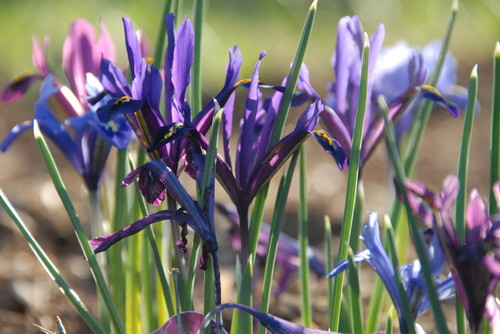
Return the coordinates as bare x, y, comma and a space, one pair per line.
19, 86
101, 244
434, 95
331, 146
118, 106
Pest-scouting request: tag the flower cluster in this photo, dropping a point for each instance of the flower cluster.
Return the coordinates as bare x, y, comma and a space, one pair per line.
150, 102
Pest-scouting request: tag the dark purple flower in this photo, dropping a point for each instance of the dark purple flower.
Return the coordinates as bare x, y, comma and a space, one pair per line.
411, 274
474, 263
340, 114
272, 323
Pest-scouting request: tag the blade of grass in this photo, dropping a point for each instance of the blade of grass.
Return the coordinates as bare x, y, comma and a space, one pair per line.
352, 183
495, 134
390, 319
279, 211
77, 226
305, 294
196, 69
395, 159
50, 268
160, 41
418, 126
355, 294
329, 262
462, 178
391, 241
165, 288
281, 117
120, 210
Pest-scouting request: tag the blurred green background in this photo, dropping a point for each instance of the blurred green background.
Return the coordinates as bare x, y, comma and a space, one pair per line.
271, 25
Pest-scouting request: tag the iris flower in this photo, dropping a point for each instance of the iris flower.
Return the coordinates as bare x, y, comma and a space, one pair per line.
474, 263
64, 114
411, 274
392, 79
340, 114
287, 254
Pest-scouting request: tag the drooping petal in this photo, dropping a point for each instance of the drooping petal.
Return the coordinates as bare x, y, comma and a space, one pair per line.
167, 134
116, 107
101, 244
19, 86
14, 133
273, 324
331, 146
434, 95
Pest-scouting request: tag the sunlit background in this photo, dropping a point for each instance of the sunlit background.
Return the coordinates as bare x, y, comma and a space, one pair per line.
271, 25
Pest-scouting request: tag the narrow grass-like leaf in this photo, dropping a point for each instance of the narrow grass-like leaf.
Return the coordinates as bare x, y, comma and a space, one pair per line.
391, 241
156, 253
242, 322
279, 211
208, 288
357, 221
132, 285
50, 268
461, 199
303, 239
495, 134
390, 137
193, 261
420, 122
463, 162
293, 77
196, 69
329, 262
160, 41
120, 211
389, 321
77, 226
280, 120
355, 294
352, 182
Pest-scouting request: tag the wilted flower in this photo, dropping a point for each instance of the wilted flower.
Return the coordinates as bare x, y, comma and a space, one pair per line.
411, 274
474, 263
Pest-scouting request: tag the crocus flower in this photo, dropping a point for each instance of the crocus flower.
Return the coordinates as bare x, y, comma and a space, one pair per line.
287, 255
474, 263
340, 115
411, 274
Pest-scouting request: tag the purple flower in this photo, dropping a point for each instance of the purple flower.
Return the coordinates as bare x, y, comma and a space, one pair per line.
87, 142
411, 274
272, 323
393, 77
287, 254
340, 114
474, 263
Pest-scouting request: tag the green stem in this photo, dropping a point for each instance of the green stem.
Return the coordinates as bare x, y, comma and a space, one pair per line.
279, 211
196, 69
417, 238
305, 293
495, 134
160, 41
50, 268
329, 263
352, 183
355, 294
462, 178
